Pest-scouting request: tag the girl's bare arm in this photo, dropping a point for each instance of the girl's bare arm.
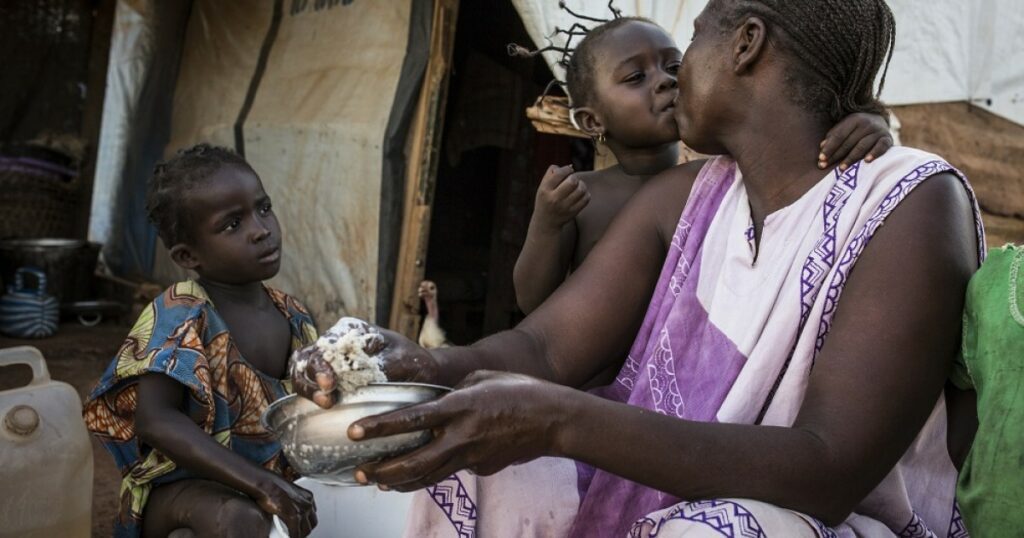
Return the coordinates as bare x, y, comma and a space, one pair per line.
543, 264
159, 423
547, 253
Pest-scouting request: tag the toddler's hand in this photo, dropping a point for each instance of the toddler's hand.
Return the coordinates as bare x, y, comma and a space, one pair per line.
560, 197
292, 504
858, 136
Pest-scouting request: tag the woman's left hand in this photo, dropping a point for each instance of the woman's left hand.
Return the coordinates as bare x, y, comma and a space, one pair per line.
491, 420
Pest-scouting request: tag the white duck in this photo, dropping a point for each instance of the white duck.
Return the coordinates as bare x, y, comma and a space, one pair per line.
431, 333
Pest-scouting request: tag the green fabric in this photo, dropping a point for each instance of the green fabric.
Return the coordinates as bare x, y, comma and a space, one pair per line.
991, 485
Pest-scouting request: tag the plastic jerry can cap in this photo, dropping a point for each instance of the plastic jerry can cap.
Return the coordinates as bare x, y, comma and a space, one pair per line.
21, 420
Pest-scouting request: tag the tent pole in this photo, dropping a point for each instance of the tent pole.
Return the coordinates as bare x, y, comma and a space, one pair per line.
421, 172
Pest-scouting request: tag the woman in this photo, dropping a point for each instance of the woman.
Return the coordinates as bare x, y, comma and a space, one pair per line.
726, 277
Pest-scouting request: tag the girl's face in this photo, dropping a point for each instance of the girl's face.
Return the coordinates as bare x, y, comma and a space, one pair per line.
635, 85
237, 239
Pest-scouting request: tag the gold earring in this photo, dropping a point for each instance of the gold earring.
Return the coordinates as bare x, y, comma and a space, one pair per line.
601, 138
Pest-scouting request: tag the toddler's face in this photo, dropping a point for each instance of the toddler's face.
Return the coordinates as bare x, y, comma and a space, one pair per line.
237, 238
635, 84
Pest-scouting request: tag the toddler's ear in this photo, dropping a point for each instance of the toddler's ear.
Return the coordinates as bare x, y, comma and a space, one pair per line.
183, 256
588, 122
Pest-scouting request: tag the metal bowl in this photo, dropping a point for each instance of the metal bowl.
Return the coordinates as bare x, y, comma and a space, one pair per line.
315, 440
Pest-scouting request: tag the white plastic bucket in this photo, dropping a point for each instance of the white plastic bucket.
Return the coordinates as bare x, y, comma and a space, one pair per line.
365, 511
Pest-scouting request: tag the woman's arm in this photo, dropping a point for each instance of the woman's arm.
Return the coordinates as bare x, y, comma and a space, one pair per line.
551, 238
586, 324
160, 424
873, 386
593, 317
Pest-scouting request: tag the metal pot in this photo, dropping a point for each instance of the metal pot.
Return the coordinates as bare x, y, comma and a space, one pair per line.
69, 264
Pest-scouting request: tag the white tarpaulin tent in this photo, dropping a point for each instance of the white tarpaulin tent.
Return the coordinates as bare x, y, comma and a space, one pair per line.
946, 50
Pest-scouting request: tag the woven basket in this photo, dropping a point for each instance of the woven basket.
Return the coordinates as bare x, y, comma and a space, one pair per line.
550, 114
37, 199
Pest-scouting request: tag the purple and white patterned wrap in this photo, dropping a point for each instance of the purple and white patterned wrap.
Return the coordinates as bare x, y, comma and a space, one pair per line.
731, 335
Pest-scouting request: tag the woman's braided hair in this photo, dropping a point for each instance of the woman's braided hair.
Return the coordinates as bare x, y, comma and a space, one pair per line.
840, 46
173, 178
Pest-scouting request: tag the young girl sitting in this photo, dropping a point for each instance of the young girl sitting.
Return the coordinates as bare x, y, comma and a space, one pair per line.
179, 407
622, 78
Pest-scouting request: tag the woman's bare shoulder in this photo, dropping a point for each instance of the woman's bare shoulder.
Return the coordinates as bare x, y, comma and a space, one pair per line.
665, 195
680, 176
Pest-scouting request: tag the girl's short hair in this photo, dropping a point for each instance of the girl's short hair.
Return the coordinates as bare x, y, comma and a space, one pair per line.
578, 61
166, 200
579, 71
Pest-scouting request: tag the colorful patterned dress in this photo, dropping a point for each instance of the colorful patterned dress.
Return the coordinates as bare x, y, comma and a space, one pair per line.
730, 336
181, 335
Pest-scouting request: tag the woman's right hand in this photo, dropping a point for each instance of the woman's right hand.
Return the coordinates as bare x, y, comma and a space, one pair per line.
292, 504
560, 197
405, 360
401, 359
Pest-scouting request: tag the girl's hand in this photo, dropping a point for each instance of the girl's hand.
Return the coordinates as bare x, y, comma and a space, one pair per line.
858, 136
292, 504
560, 197
402, 360
492, 420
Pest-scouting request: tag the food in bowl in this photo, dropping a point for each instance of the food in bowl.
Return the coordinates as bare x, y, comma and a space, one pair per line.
344, 346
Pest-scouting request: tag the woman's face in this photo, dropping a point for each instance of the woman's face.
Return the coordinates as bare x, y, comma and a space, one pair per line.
705, 86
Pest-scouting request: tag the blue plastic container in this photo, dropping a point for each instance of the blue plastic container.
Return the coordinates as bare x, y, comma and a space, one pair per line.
28, 312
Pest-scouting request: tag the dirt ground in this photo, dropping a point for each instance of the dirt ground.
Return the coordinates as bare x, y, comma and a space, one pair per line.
78, 355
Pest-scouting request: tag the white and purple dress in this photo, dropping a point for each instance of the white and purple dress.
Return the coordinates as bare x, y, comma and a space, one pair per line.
730, 336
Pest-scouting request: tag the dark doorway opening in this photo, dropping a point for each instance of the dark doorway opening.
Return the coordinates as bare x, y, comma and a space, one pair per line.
490, 164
